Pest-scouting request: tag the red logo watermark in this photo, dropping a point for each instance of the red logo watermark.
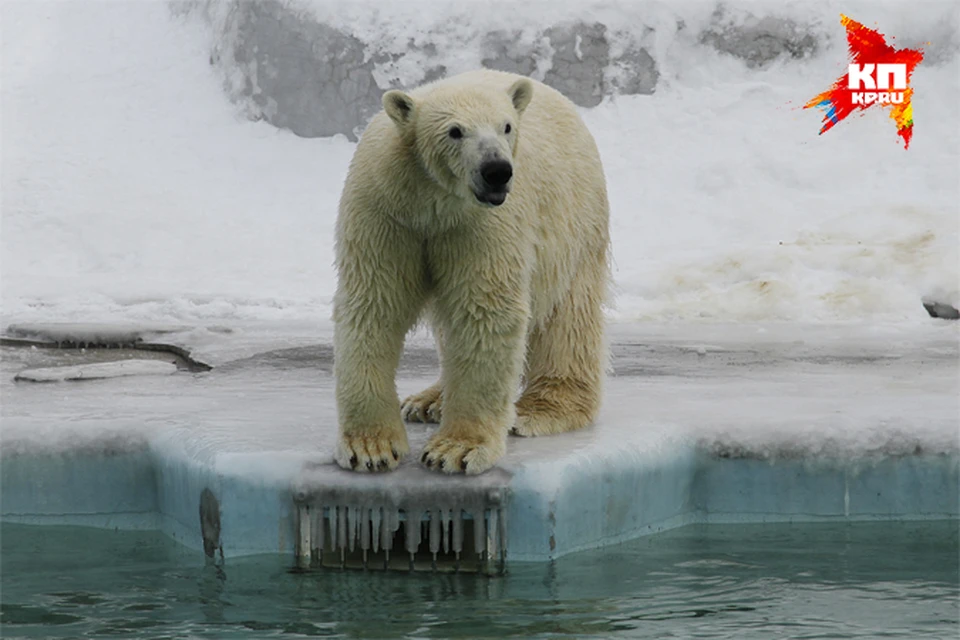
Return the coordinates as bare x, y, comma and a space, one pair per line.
878, 75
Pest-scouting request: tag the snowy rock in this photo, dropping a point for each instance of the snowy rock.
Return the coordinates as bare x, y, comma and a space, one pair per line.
581, 63
633, 73
581, 54
505, 51
760, 41
941, 310
297, 73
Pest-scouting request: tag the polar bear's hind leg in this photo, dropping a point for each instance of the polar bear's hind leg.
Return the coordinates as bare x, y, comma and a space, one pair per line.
566, 359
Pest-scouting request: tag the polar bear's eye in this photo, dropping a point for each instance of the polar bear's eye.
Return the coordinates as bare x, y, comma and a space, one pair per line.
507, 128
456, 133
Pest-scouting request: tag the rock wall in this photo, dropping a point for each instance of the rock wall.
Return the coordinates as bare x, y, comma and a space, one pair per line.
283, 62
298, 73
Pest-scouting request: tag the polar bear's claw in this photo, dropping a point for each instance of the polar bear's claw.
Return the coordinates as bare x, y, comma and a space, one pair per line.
371, 452
425, 406
471, 453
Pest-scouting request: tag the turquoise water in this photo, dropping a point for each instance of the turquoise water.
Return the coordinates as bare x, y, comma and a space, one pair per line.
753, 581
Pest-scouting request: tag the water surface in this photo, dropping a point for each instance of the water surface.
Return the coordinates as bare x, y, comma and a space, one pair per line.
751, 581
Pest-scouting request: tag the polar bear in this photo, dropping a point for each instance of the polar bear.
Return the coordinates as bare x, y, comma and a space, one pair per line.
479, 203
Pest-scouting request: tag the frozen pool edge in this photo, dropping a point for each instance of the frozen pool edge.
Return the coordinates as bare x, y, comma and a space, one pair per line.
586, 504
842, 426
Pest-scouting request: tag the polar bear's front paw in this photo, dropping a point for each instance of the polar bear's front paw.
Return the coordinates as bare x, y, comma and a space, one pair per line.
425, 406
453, 450
372, 450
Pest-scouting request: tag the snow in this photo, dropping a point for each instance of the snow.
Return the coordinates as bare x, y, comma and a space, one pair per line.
839, 393
133, 191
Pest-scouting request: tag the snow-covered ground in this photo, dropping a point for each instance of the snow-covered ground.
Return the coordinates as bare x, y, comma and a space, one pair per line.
133, 190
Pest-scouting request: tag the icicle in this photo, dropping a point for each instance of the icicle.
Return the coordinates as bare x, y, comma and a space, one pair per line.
349, 519
342, 529
503, 536
316, 528
390, 525
354, 532
386, 539
434, 536
362, 520
367, 515
332, 520
445, 526
375, 527
413, 531
479, 531
493, 533
457, 532
386, 530
304, 545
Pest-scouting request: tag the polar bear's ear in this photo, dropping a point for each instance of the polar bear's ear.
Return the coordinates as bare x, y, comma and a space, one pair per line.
399, 106
520, 93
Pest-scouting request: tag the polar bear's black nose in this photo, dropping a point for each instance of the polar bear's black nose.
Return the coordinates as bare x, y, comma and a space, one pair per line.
496, 173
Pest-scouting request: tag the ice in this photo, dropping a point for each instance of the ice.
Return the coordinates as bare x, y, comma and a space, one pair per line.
848, 388
99, 371
133, 191
84, 334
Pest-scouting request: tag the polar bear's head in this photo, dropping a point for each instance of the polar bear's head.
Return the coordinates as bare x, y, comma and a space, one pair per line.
465, 136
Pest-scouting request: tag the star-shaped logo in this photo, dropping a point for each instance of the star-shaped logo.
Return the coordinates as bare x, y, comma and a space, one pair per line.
878, 75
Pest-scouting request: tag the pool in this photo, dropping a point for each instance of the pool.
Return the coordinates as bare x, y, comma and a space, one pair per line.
856, 580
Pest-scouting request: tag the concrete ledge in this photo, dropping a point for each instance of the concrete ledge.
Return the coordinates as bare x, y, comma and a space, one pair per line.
817, 437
